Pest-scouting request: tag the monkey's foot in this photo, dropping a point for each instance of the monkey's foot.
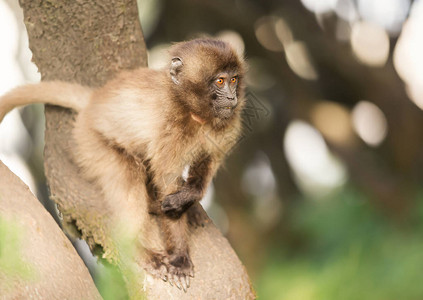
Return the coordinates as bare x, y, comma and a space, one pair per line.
176, 269
180, 270
197, 217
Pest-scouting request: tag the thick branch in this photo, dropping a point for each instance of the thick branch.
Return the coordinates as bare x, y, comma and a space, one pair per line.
51, 268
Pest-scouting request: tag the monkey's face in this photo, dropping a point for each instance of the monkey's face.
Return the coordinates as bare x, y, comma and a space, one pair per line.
224, 94
208, 76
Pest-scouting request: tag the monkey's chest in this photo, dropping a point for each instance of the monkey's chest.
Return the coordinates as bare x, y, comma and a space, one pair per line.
217, 143
180, 151
209, 141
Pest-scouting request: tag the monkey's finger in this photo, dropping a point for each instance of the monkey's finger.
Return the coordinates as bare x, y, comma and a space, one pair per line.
184, 283
163, 271
173, 279
188, 281
191, 273
177, 282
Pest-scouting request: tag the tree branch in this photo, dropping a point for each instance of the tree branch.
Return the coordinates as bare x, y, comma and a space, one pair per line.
51, 268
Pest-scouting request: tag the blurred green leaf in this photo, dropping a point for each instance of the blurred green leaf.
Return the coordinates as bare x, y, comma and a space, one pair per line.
12, 265
110, 283
351, 252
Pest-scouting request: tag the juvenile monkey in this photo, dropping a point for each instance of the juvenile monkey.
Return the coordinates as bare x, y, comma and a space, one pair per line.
137, 133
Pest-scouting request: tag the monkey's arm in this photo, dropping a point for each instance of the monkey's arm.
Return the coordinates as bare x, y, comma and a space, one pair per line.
193, 190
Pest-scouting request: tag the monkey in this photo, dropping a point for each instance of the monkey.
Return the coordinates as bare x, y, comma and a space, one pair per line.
136, 134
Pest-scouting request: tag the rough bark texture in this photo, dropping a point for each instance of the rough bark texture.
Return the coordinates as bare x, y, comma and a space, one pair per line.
88, 42
55, 271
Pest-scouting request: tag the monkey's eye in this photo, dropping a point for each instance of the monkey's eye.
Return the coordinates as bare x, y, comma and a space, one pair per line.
219, 81
234, 80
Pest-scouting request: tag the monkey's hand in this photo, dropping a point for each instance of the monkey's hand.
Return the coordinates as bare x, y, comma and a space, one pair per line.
174, 205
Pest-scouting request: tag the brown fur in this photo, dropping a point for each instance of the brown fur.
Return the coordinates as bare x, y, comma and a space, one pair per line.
136, 134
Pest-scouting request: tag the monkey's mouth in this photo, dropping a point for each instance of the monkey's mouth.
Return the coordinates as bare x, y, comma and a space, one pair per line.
225, 112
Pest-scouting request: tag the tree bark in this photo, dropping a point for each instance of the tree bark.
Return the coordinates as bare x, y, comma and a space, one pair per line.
88, 42
50, 267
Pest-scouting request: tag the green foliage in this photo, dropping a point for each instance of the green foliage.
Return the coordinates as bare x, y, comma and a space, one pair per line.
110, 283
349, 252
12, 266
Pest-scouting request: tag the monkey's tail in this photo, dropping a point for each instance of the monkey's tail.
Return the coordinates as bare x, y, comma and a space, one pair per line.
59, 93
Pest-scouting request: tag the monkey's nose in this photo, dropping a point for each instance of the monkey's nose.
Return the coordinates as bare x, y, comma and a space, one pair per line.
232, 101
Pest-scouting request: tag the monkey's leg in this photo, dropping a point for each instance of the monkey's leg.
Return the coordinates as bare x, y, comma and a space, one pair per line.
174, 229
180, 264
122, 180
174, 197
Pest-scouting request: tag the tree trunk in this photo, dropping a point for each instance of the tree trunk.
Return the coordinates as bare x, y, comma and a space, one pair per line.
88, 42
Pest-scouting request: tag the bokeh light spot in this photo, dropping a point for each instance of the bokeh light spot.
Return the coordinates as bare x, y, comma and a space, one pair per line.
370, 123
370, 43
408, 58
299, 60
259, 182
390, 14
233, 38
265, 29
333, 120
319, 6
283, 32
346, 9
317, 171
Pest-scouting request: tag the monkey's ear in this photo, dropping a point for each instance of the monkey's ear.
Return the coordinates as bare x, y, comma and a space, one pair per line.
175, 69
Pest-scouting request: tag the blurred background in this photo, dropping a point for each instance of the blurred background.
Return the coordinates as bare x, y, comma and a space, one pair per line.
322, 197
